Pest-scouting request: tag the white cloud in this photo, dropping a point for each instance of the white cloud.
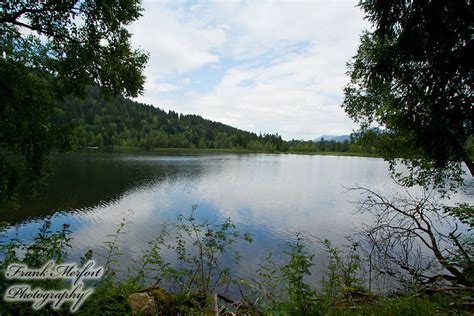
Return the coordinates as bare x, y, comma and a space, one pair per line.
176, 45
287, 97
282, 64
186, 81
162, 87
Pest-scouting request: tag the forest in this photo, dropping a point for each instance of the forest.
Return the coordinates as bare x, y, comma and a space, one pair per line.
121, 122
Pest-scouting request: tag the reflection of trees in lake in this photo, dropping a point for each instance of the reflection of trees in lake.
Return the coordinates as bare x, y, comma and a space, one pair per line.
85, 180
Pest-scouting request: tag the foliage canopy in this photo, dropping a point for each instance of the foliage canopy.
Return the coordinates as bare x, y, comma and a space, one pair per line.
78, 42
413, 74
50, 49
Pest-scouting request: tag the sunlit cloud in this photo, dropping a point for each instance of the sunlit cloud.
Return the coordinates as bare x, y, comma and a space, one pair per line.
260, 66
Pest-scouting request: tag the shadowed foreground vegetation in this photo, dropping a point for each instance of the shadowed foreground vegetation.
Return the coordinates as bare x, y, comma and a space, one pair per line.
199, 279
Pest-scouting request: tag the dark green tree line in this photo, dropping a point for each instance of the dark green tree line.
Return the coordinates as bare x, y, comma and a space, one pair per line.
120, 122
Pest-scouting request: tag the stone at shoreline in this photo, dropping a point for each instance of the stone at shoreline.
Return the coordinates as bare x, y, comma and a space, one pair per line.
142, 303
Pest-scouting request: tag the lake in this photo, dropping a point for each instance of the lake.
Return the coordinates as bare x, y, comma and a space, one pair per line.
271, 196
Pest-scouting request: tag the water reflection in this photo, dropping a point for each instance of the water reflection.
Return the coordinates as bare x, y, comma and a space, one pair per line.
270, 196
86, 181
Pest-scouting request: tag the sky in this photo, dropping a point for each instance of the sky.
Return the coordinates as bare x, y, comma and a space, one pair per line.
261, 66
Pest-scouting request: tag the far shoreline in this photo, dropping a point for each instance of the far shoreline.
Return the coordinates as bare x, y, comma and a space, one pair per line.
198, 151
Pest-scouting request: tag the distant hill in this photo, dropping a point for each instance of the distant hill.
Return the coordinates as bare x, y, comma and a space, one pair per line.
96, 121
101, 122
337, 138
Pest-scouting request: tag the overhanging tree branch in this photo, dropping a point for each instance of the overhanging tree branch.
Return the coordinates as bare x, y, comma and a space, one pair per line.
12, 17
399, 222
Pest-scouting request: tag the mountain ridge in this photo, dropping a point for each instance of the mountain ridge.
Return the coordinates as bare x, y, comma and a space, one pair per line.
337, 138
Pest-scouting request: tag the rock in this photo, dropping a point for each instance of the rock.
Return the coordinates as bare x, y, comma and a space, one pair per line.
142, 304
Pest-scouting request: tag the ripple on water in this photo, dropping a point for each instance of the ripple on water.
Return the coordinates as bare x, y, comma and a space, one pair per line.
270, 196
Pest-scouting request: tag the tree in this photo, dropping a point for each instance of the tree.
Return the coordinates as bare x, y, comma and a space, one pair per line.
83, 42
413, 74
50, 49
406, 225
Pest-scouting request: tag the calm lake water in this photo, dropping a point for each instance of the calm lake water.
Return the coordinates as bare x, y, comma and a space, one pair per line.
269, 196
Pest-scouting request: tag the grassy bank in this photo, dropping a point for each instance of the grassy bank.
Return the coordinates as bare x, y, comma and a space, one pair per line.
198, 281
335, 153
198, 151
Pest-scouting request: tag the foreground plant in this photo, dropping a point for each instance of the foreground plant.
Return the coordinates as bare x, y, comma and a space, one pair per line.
196, 279
47, 245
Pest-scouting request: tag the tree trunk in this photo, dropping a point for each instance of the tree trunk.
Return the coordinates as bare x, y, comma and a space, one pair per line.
467, 160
